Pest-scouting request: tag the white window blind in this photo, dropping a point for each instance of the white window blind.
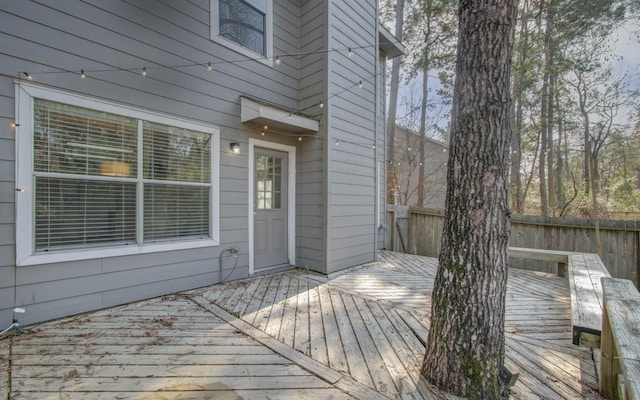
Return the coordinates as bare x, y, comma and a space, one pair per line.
87, 187
177, 182
244, 22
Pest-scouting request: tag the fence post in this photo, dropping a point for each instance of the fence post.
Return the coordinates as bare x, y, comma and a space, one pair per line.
410, 239
392, 230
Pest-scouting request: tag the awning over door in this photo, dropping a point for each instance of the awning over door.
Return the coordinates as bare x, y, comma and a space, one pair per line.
275, 118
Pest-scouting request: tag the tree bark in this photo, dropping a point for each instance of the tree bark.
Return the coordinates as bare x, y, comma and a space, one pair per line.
465, 347
550, 155
545, 99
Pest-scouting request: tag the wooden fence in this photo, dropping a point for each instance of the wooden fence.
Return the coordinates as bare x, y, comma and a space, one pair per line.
421, 230
398, 223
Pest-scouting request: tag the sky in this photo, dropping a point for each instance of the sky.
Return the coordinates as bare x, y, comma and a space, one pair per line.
627, 46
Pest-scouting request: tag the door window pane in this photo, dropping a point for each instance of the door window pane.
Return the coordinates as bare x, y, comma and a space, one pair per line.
268, 182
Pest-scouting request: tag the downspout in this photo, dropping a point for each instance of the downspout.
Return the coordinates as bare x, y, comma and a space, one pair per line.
376, 105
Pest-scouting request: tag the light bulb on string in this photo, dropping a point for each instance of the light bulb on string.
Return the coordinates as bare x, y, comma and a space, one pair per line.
350, 53
299, 138
26, 74
82, 74
278, 61
144, 71
262, 133
337, 142
321, 104
360, 85
209, 66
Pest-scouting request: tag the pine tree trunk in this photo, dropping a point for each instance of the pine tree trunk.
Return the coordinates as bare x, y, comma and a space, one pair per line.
465, 347
393, 189
423, 131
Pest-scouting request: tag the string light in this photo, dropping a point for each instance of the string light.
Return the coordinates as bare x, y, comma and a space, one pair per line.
236, 61
15, 125
266, 127
367, 145
209, 66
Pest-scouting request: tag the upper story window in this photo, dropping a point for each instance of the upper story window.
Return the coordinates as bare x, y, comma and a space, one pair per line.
244, 25
105, 180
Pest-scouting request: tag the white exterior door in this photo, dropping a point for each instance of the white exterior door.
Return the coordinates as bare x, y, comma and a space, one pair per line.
271, 236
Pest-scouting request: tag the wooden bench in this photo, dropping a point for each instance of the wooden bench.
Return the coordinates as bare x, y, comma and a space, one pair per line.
561, 257
620, 351
584, 271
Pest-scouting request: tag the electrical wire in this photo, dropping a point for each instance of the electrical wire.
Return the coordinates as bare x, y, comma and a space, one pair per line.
12, 326
235, 254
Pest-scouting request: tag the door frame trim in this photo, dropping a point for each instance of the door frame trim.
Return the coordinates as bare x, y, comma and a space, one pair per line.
291, 199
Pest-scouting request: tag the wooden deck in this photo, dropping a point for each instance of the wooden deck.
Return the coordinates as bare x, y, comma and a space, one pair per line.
293, 334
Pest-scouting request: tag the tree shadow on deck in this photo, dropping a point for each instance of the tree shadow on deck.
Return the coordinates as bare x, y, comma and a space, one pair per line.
371, 322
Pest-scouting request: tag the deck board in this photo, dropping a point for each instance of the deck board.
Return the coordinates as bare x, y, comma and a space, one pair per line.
295, 334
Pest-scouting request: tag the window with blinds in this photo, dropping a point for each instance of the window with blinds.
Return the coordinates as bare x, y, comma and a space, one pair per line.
246, 26
244, 22
103, 179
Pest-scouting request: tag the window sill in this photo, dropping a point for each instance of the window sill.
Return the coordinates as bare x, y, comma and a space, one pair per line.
264, 59
88, 254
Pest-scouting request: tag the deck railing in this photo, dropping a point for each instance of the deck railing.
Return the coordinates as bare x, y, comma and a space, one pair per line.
418, 231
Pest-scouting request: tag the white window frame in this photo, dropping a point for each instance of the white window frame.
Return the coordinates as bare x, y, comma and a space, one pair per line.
25, 184
266, 58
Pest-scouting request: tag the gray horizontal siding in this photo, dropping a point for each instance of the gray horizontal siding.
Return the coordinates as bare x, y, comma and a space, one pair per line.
311, 179
351, 175
42, 36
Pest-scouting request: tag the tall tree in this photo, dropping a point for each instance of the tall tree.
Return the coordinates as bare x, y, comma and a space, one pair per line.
431, 31
393, 102
465, 347
522, 69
